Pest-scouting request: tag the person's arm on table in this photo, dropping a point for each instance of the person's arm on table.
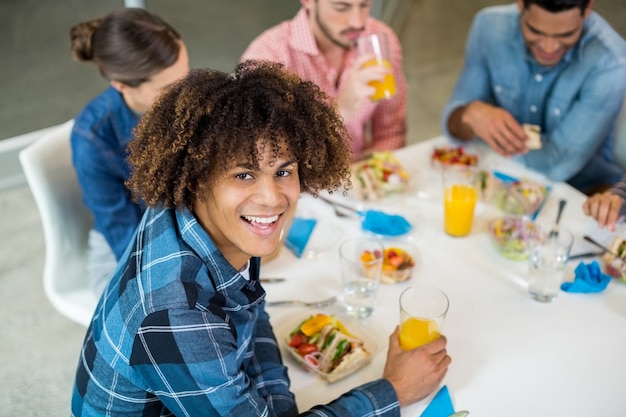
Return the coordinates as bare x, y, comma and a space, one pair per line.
582, 131
188, 359
177, 364
492, 124
469, 114
416, 373
607, 207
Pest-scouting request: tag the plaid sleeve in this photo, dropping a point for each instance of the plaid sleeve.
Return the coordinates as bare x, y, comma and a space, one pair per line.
267, 371
620, 188
189, 360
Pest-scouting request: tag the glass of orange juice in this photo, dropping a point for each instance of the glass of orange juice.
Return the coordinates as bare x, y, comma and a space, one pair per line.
423, 309
377, 46
459, 199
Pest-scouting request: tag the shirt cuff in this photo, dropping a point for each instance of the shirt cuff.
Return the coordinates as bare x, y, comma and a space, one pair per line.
447, 112
383, 397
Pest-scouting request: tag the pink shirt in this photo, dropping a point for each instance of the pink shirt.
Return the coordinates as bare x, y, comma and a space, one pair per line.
292, 44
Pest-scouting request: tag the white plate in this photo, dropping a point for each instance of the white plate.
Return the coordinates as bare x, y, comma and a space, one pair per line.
354, 328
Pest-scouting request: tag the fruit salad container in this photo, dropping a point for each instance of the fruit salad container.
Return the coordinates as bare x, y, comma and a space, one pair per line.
399, 261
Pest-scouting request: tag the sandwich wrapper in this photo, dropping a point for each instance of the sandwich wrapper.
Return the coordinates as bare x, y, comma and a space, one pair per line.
588, 279
384, 224
299, 234
440, 406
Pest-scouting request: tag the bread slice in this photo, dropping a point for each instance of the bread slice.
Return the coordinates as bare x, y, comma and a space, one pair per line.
534, 136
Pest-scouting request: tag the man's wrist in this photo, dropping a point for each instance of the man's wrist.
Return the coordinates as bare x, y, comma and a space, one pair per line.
459, 124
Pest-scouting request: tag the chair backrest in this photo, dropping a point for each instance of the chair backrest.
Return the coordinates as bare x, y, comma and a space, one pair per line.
620, 138
66, 221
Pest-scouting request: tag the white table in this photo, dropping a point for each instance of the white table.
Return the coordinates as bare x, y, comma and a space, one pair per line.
511, 355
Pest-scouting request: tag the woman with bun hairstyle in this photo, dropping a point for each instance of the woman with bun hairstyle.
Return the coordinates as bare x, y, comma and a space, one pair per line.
140, 55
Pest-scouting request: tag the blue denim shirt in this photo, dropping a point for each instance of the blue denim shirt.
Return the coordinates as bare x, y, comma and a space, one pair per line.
575, 102
99, 139
179, 331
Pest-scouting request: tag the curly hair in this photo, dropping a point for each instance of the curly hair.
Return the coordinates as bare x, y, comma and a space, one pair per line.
201, 125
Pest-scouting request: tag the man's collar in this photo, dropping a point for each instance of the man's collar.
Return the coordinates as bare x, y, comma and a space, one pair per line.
303, 38
226, 278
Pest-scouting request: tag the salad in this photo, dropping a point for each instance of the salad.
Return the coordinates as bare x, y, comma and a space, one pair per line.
522, 197
397, 265
379, 175
448, 155
513, 236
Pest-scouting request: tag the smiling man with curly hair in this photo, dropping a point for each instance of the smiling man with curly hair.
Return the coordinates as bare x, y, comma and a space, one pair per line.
181, 329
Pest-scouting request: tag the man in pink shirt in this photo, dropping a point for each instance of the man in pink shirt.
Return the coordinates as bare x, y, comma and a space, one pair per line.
318, 45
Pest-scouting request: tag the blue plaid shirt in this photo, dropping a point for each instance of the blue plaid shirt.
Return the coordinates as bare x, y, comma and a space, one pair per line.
575, 102
178, 331
100, 135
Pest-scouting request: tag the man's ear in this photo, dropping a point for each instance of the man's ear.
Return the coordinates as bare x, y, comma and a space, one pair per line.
119, 86
587, 11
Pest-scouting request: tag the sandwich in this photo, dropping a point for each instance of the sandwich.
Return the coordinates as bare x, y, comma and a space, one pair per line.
324, 345
616, 266
534, 136
377, 176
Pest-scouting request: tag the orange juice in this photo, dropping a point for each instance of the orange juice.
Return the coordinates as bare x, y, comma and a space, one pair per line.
459, 203
385, 88
416, 332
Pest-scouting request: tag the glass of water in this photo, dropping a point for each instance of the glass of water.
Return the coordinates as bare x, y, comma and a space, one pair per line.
547, 258
361, 261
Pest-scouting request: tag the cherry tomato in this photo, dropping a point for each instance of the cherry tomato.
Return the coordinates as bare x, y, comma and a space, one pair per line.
306, 348
297, 339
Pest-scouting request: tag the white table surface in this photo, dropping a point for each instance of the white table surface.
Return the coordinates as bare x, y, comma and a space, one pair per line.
511, 355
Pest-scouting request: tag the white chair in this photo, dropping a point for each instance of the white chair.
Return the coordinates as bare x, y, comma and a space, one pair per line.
66, 221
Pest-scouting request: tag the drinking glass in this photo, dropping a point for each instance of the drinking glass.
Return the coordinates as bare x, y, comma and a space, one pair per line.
361, 261
547, 258
377, 46
459, 199
423, 309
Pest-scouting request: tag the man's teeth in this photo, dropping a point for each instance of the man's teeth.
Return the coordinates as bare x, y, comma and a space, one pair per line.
263, 220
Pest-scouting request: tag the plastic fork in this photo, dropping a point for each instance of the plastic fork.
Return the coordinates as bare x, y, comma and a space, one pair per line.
555, 228
314, 304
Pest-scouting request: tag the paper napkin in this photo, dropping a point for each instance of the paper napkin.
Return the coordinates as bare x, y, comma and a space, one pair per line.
589, 278
440, 406
299, 234
385, 224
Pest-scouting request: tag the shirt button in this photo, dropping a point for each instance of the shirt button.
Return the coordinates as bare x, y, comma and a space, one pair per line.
533, 108
557, 111
538, 78
498, 89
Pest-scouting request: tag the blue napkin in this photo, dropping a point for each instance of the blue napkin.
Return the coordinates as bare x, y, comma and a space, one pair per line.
589, 278
299, 234
384, 224
440, 406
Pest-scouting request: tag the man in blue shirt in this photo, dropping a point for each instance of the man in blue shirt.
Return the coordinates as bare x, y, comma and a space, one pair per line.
554, 64
181, 328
